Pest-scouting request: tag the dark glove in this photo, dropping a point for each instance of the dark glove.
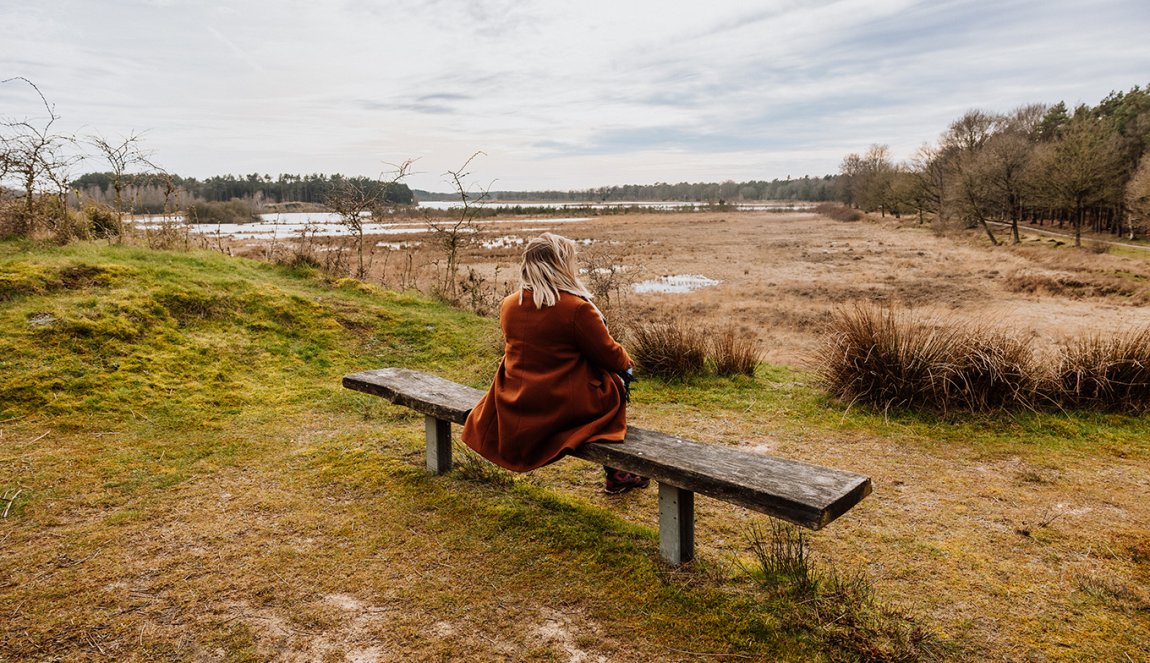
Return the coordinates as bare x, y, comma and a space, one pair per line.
627, 377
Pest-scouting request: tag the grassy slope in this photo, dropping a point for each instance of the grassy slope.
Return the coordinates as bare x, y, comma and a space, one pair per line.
197, 485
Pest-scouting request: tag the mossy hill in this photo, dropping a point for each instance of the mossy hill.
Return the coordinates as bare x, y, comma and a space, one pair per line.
195, 484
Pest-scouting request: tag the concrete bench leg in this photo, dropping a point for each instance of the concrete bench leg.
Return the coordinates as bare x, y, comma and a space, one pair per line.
676, 524
438, 445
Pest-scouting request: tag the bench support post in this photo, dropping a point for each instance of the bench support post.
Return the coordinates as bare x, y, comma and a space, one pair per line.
438, 445
676, 524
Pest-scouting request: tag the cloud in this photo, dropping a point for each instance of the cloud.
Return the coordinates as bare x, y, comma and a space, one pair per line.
597, 89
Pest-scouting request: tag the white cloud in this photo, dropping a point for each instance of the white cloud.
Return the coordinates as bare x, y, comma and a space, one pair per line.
557, 94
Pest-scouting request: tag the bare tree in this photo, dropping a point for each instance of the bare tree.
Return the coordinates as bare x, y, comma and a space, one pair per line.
357, 199
929, 168
452, 235
850, 175
966, 140
34, 155
875, 179
1004, 161
121, 157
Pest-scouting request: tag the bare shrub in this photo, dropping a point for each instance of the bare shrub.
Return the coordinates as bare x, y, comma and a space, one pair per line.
482, 295
879, 357
606, 277
838, 212
670, 349
102, 220
734, 353
452, 236
1109, 373
169, 233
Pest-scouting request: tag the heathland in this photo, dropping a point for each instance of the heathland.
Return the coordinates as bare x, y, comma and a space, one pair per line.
184, 478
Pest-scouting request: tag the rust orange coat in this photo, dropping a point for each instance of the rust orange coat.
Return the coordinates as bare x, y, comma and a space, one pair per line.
555, 388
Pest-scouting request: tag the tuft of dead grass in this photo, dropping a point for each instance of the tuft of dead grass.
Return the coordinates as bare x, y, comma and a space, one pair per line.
734, 353
672, 349
881, 357
885, 358
1108, 373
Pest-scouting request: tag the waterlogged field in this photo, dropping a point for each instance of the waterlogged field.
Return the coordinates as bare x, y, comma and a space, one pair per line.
183, 478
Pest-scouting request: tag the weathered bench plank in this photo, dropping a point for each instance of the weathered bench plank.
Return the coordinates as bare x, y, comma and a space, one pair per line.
808, 495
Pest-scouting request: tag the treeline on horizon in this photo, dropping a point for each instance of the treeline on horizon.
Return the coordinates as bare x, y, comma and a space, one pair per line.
1038, 164
806, 188
155, 193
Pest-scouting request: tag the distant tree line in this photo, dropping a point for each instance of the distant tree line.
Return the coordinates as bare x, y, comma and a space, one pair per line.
149, 191
815, 189
1037, 164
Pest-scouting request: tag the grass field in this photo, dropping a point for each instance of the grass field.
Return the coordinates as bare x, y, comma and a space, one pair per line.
184, 479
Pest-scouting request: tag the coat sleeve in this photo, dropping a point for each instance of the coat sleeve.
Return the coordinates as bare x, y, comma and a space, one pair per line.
595, 341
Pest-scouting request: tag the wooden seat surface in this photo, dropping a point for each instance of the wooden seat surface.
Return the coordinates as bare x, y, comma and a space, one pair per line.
801, 493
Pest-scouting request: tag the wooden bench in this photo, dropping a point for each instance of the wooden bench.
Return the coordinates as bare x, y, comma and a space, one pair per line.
801, 493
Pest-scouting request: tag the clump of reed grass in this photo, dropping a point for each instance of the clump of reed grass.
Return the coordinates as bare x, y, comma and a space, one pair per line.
782, 558
990, 371
675, 349
880, 357
1108, 373
838, 212
734, 353
670, 349
888, 360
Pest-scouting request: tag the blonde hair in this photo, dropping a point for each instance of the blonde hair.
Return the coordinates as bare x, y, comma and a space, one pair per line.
549, 268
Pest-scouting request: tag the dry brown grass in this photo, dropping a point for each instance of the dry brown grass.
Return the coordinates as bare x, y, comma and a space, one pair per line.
670, 349
887, 359
733, 352
1109, 373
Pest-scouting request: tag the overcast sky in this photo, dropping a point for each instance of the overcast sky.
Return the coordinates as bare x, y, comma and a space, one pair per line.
563, 95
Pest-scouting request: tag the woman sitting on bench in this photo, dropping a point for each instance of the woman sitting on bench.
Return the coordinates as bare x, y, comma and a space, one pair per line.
561, 380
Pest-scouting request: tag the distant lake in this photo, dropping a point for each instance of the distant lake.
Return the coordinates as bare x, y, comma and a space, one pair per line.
319, 224
286, 225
